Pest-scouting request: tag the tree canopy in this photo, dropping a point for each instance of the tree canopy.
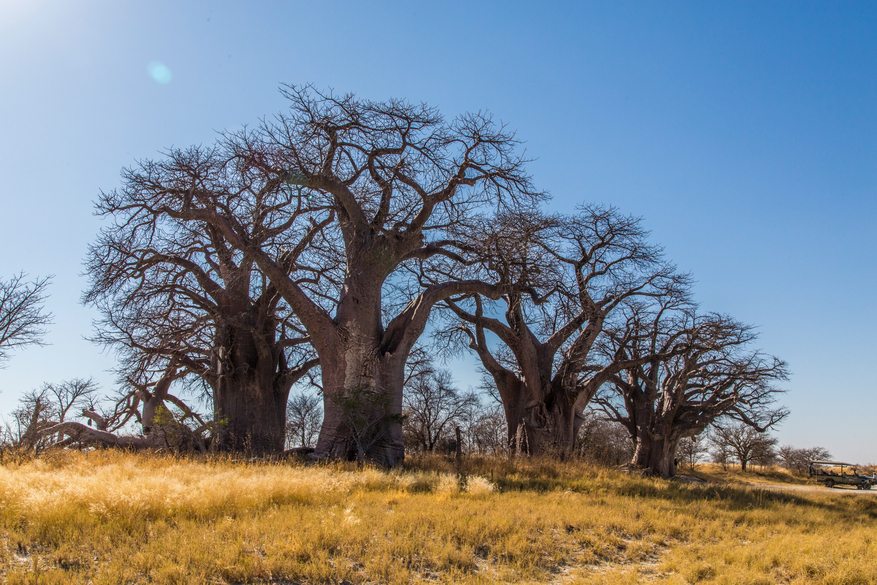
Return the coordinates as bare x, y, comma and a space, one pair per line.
315, 246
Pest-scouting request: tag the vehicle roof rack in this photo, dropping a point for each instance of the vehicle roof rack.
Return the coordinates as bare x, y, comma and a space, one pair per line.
832, 463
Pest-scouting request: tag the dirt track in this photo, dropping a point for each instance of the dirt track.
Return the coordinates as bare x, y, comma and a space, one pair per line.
812, 488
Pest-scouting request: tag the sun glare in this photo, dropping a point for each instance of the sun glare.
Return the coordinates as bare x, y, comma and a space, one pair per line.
159, 72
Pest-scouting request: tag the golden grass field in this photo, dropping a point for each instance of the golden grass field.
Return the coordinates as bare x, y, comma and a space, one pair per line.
112, 518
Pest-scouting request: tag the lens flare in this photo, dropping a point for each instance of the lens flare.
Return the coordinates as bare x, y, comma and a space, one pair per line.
159, 72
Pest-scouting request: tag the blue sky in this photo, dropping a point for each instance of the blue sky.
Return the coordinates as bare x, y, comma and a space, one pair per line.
744, 133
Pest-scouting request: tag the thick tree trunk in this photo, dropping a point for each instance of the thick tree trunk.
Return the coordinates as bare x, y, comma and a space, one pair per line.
643, 419
78, 433
362, 379
250, 392
662, 458
251, 417
173, 436
642, 451
513, 396
543, 427
362, 406
655, 442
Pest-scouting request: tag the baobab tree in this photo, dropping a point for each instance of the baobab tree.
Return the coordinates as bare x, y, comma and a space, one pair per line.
391, 185
589, 264
149, 404
675, 395
179, 300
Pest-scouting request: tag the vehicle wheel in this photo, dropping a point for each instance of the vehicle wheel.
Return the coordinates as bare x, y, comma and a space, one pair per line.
829, 483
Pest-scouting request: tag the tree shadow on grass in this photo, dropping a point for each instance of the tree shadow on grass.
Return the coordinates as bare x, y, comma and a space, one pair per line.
730, 497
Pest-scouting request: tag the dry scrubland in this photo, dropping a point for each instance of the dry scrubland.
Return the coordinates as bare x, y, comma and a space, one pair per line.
110, 518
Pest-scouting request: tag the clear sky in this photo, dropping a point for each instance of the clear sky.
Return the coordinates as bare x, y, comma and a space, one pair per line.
745, 134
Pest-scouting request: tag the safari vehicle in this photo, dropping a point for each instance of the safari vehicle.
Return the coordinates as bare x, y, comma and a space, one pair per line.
833, 473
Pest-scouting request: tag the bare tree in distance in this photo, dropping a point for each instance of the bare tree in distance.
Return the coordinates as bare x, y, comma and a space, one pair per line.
721, 454
743, 444
22, 315
39, 411
798, 460
672, 395
486, 431
433, 407
28, 429
389, 185
70, 396
304, 415
692, 449
589, 264
602, 441
176, 295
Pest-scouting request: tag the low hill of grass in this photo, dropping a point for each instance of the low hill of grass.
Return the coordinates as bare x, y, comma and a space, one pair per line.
109, 518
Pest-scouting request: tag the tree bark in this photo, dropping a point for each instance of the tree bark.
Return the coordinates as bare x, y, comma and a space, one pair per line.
251, 389
642, 451
363, 408
655, 438
251, 417
362, 378
662, 458
640, 403
548, 424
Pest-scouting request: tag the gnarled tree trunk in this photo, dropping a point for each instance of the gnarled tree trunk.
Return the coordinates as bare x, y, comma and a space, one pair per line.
363, 409
542, 427
363, 377
661, 459
251, 388
250, 416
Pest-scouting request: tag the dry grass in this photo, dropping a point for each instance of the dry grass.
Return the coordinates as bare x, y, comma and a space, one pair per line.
110, 518
754, 475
